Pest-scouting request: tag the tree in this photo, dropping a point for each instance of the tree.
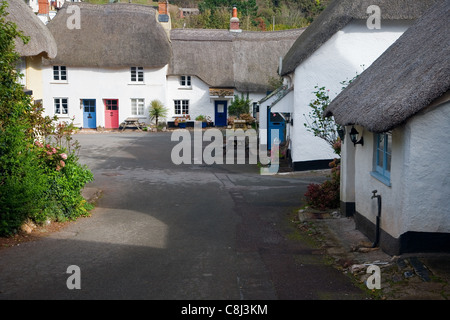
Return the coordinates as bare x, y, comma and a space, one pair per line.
240, 105
157, 110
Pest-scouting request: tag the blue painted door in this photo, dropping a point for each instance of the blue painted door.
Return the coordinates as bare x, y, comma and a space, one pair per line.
220, 113
89, 114
275, 121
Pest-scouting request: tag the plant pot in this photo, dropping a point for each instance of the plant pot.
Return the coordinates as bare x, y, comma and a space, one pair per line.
182, 125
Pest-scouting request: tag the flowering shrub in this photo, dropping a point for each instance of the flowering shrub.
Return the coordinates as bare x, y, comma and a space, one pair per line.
326, 195
52, 156
323, 196
38, 180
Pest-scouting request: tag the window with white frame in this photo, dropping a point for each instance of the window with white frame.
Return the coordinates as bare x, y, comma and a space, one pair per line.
382, 157
137, 74
137, 107
59, 73
181, 107
185, 81
61, 106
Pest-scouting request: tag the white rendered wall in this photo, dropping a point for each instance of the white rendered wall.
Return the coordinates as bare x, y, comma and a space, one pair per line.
198, 96
200, 102
392, 196
427, 171
348, 52
99, 84
418, 198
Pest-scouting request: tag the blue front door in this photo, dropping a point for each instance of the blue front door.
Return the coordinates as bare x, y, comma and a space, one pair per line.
275, 121
220, 113
89, 114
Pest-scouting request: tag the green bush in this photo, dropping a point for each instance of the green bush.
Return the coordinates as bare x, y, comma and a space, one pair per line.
38, 180
240, 105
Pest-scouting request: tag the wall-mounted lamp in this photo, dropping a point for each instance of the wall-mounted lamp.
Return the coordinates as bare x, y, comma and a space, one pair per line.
354, 137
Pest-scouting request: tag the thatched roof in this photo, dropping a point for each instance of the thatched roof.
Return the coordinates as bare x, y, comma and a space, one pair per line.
244, 60
110, 35
338, 14
410, 75
41, 40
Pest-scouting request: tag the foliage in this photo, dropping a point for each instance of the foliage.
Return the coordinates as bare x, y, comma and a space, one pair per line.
253, 15
157, 110
326, 195
38, 180
200, 118
321, 126
240, 105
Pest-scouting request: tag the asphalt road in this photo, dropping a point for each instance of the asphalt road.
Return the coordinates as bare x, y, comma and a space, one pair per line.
175, 232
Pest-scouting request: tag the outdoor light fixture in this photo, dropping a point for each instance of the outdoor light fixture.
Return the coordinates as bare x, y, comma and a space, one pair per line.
354, 137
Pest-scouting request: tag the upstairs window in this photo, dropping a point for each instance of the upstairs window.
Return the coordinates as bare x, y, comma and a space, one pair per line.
59, 73
382, 157
137, 74
185, 81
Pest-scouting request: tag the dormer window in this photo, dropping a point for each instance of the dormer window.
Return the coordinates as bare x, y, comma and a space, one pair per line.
59, 73
137, 74
185, 81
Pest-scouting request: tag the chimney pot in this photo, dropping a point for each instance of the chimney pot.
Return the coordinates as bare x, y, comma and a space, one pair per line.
43, 6
234, 22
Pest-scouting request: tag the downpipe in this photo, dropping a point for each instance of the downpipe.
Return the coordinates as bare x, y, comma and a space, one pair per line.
377, 230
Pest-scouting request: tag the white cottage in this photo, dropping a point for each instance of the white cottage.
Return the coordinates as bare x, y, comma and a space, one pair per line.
108, 69
209, 67
400, 110
339, 44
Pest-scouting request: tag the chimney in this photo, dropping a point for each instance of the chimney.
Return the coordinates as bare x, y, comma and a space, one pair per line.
163, 7
43, 6
234, 22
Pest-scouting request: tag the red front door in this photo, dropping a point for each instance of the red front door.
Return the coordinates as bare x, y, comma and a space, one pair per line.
111, 113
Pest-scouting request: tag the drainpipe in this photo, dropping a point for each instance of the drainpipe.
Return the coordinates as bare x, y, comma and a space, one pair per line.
377, 234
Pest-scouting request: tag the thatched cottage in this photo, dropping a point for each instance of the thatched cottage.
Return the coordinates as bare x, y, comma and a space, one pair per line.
41, 44
209, 67
123, 56
400, 108
109, 68
337, 46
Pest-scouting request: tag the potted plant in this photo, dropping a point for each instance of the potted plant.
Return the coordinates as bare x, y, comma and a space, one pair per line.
202, 118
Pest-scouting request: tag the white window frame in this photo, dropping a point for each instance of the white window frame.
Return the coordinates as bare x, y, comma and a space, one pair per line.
185, 82
181, 107
138, 106
137, 75
59, 74
59, 100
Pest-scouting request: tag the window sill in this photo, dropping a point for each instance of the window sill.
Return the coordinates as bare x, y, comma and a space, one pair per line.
381, 178
184, 88
59, 82
136, 83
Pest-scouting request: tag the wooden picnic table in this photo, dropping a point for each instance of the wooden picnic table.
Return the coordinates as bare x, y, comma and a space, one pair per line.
132, 122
